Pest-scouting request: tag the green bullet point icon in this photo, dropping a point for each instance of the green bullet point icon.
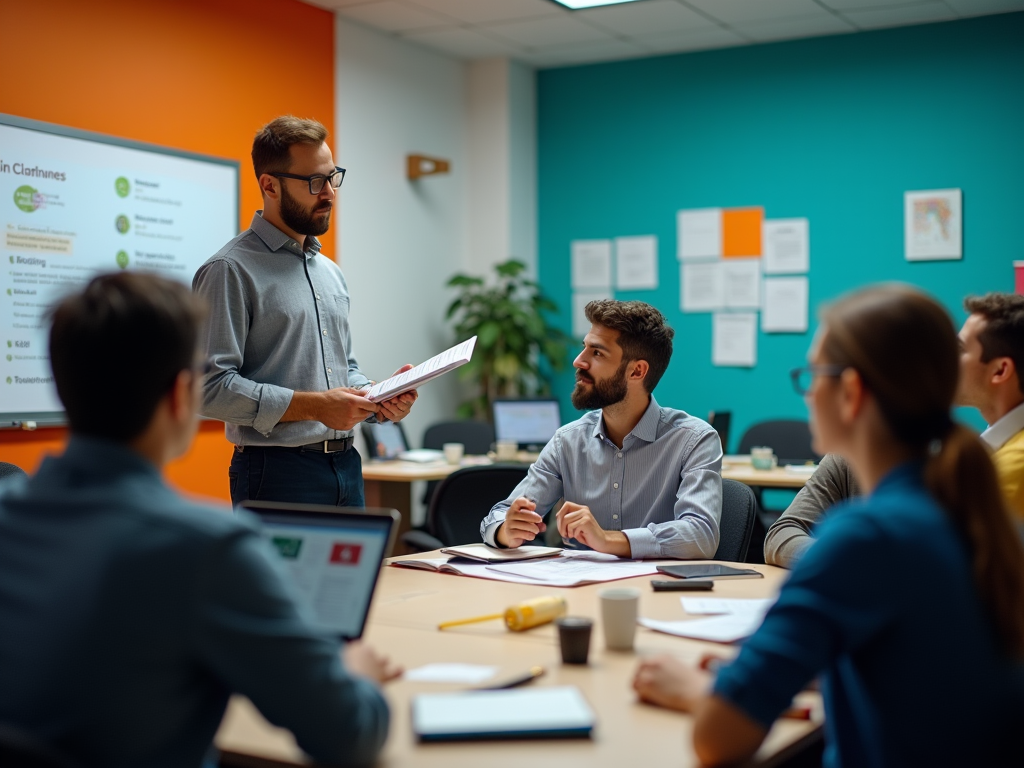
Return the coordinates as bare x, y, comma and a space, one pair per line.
122, 224
122, 187
10, 380
9, 358
9, 344
122, 259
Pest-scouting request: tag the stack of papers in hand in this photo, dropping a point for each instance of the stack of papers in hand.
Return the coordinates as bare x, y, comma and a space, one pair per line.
436, 366
734, 619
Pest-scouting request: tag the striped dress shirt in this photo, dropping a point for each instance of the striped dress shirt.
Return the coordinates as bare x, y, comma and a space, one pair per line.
663, 488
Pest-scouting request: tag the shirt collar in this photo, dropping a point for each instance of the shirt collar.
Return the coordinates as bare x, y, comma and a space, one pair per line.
1008, 426
646, 429
104, 456
275, 239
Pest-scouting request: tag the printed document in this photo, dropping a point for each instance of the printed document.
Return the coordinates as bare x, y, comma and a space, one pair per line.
436, 366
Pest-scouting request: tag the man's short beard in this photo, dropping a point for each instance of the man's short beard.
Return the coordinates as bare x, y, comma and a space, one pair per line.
601, 394
300, 219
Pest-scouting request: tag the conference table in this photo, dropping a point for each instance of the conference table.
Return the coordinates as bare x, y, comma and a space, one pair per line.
407, 607
389, 483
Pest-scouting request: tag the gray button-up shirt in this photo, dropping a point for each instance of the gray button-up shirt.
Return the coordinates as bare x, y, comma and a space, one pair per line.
663, 488
278, 324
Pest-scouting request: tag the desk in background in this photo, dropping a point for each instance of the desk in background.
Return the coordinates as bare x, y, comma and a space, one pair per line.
403, 624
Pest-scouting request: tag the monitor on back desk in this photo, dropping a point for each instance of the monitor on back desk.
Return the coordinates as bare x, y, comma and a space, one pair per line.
531, 423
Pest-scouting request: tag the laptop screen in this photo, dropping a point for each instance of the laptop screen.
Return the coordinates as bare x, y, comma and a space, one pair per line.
528, 422
332, 556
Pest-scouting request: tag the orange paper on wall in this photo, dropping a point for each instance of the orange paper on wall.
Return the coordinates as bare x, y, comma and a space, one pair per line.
741, 232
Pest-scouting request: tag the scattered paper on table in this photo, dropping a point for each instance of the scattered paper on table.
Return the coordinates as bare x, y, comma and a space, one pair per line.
592, 264
699, 232
580, 299
572, 569
702, 286
719, 629
786, 246
785, 305
734, 341
742, 279
726, 605
636, 262
470, 674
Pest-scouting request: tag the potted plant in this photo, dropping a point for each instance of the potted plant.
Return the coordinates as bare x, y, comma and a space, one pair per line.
513, 341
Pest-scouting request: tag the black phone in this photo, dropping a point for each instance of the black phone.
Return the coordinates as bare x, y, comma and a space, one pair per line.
682, 585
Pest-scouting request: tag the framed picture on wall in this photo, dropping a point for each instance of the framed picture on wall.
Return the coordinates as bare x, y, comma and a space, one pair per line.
933, 225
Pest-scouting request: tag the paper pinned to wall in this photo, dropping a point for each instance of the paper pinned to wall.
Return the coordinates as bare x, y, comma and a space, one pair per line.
734, 339
580, 299
636, 262
699, 233
592, 264
786, 246
742, 279
702, 286
785, 305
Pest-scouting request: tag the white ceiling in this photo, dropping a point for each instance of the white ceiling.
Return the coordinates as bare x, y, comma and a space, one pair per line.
544, 34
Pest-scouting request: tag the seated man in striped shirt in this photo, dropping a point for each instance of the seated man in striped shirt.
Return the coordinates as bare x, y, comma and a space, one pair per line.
638, 480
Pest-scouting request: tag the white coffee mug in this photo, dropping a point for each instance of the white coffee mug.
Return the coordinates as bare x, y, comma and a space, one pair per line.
506, 450
453, 452
619, 608
762, 457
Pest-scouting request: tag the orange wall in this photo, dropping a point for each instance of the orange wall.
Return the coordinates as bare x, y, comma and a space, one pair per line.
197, 76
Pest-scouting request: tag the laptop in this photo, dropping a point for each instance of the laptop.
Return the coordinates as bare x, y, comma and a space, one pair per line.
530, 422
387, 441
334, 556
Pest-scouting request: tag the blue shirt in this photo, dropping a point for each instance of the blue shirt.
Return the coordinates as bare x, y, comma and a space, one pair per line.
885, 606
662, 489
279, 323
129, 616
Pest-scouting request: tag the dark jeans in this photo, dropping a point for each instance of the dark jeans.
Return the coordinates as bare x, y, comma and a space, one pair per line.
305, 477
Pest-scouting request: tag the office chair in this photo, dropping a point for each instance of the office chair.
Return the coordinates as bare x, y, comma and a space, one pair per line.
20, 750
462, 500
739, 510
477, 436
11, 470
790, 439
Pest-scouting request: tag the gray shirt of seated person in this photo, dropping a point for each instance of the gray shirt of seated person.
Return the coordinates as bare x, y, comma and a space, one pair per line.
791, 535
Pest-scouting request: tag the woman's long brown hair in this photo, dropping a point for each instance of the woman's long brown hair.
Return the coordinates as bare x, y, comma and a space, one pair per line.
904, 346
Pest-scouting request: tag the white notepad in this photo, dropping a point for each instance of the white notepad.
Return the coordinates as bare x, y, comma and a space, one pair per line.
537, 712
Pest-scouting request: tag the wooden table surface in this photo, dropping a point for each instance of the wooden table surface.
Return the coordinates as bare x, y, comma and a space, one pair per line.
409, 604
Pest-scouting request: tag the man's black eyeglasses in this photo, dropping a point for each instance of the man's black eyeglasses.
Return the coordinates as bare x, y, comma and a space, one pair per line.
803, 378
316, 181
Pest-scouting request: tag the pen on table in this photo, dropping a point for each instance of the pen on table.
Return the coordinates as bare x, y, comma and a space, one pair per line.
712, 664
531, 674
474, 620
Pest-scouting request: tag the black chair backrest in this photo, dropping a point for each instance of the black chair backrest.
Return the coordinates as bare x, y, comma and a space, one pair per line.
20, 750
790, 439
739, 508
464, 498
721, 420
477, 436
11, 470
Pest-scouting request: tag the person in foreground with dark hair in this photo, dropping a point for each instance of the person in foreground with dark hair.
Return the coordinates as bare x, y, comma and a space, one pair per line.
638, 480
911, 602
128, 616
991, 361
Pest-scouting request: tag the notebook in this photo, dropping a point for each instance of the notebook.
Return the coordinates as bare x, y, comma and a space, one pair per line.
482, 553
333, 556
559, 712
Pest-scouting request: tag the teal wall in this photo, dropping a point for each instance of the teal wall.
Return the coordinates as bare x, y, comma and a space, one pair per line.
834, 129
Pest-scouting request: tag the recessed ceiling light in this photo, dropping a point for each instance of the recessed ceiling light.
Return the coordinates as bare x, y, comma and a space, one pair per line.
576, 5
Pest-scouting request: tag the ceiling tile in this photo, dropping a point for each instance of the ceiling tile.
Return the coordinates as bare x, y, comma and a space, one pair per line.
649, 17
556, 30
921, 13
787, 29
394, 16
714, 37
746, 11
979, 7
483, 11
462, 43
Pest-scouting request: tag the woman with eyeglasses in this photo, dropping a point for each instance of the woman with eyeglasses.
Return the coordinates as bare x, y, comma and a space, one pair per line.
910, 606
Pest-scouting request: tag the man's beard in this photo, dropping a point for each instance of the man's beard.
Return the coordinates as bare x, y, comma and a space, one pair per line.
600, 394
302, 220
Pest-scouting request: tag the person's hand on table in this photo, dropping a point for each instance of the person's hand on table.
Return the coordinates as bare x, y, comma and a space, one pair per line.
668, 682
344, 407
522, 524
363, 661
576, 521
398, 407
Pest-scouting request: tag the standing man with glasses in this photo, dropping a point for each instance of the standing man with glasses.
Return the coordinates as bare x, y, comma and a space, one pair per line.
284, 377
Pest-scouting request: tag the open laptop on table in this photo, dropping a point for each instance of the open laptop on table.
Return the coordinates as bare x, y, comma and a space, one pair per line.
334, 556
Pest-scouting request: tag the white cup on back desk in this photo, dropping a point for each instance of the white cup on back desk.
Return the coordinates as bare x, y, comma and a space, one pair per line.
453, 452
619, 609
762, 457
506, 450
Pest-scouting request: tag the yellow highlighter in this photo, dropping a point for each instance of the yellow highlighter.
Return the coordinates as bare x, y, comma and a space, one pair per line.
532, 613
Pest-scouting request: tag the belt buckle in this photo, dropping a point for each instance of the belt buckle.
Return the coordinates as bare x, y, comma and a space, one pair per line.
326, 450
